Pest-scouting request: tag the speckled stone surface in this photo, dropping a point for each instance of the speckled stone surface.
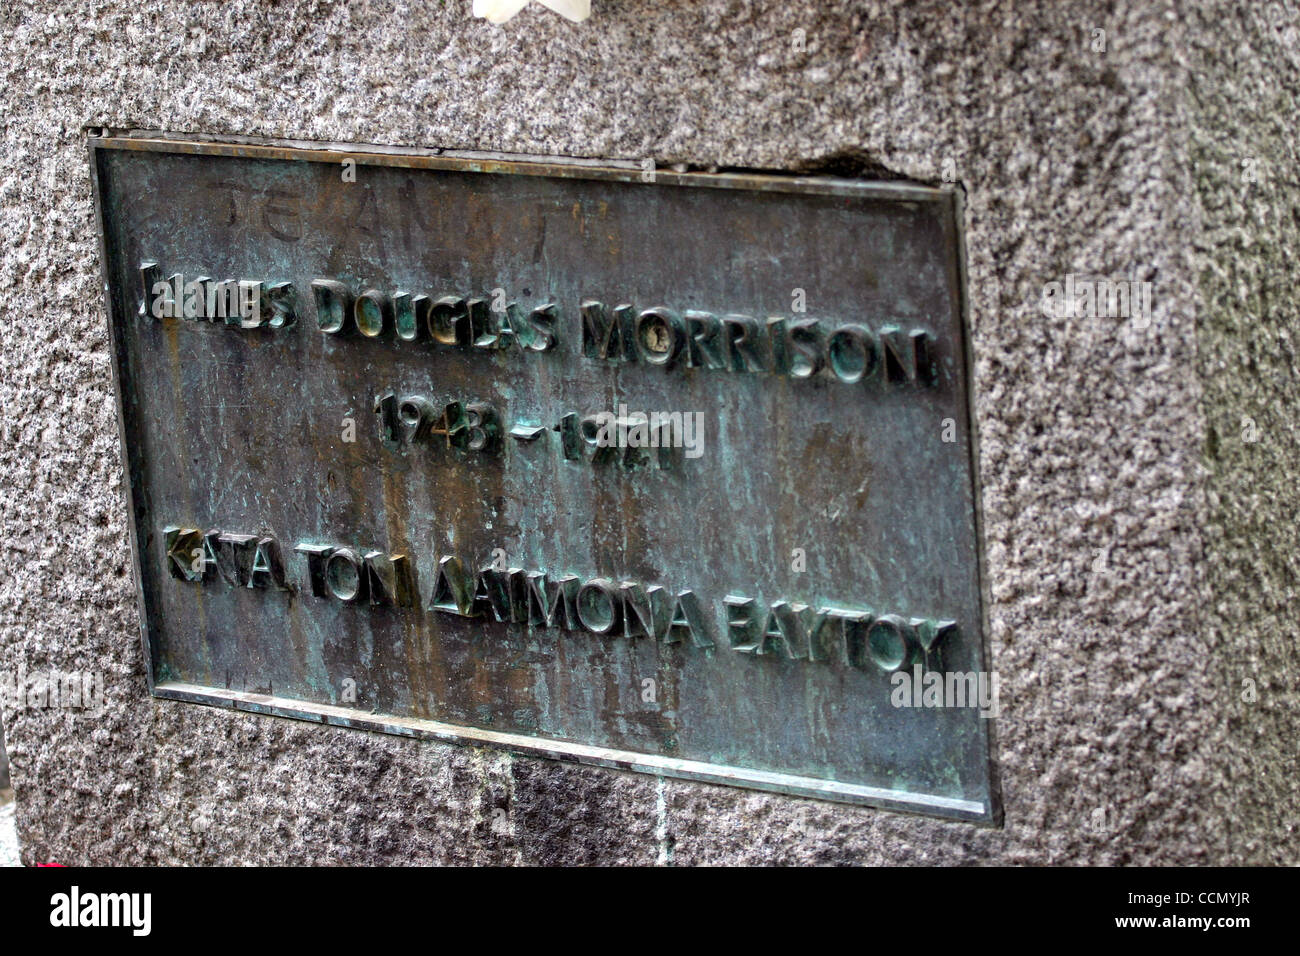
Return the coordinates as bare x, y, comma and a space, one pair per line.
1141, 558
1248, 245
4, 760
8, 836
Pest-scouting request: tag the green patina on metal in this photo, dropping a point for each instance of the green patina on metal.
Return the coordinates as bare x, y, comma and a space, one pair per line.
669, 472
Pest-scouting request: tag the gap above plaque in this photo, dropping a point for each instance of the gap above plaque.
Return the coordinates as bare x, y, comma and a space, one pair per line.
668, 472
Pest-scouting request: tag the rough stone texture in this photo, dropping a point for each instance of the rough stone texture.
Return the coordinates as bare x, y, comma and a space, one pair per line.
1140, 557
1248, 244
8, 835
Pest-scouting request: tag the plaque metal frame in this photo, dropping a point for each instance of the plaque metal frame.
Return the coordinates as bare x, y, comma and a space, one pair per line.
102, 141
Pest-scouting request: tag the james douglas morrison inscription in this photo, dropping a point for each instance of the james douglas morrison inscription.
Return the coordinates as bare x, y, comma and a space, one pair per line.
672, 476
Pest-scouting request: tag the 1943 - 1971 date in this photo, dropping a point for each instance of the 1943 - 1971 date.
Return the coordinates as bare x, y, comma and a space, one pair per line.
632, 439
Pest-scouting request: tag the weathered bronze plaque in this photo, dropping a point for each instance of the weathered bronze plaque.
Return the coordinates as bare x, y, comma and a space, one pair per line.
667, 472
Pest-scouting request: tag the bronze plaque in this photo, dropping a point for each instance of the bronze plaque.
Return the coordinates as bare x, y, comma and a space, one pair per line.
669, 472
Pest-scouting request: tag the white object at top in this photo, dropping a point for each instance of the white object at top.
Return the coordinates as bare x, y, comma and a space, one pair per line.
499, 11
